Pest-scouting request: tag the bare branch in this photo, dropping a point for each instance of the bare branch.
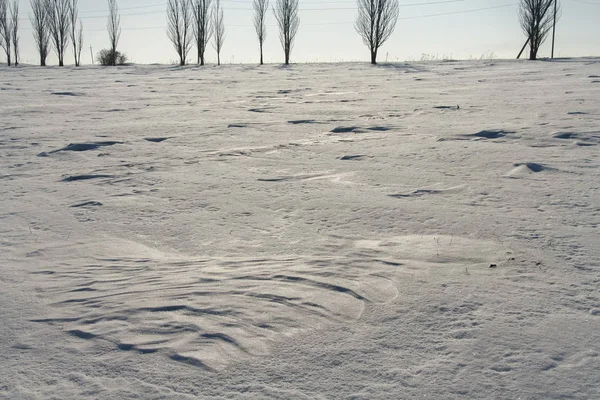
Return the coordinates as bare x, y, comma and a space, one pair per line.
286, 14
59, 24
14, 17
202, 26
76, 35
114, 28
39, 24
260, 17
218, 29
376, 22
179, 27
536, 19
5, 31
79, 42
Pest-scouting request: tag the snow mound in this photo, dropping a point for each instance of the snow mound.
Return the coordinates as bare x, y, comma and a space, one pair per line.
583, 138
491, 134
526, 169
81, 147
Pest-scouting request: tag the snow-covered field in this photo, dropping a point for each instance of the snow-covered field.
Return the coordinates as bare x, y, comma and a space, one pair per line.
319, 231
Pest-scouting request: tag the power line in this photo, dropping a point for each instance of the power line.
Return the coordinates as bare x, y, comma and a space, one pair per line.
587, 2
84, 17
344, 23
459, 12
303, 2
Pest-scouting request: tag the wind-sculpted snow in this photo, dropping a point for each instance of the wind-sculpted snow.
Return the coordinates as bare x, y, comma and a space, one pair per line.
206, 310
209, 311
422, 230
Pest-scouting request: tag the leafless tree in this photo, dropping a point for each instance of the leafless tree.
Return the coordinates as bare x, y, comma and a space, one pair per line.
114, 28
14, 16
218, 29
376, 22
41, 33
76, 34
179, 29
286, 14
202, 26
536, 21
260, 17
59, 23
5, 31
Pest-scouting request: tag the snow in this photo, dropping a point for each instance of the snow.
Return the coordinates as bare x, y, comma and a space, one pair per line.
424, 230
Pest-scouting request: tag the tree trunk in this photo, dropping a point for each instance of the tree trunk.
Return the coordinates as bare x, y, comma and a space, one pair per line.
373, 57
42, 61
261, 54
218, 59
8, 60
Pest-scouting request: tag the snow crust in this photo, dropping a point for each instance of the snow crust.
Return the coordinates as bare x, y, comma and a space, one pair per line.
318, 231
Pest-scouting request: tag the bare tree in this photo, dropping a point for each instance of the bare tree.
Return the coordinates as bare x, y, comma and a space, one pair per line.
536, 21
5, 31
60, 24
218, 29
202, 26
41, 33
76, 34
286, 14
376, 22
14, 16
114, 29
260, 17
179, 29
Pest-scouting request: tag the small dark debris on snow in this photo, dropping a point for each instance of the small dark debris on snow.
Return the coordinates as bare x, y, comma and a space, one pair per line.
74, 178
302, 121
67, 94
87, 204
447, 107
344, 129
156, 140
352, 158
493, 265
379, 128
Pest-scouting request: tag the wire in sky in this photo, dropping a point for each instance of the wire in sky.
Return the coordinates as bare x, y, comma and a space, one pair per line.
346, 23
587, 2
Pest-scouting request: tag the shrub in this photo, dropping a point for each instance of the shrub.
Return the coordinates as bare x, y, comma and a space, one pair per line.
105, 58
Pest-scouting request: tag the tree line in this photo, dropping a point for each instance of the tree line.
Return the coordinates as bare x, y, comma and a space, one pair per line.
55, 24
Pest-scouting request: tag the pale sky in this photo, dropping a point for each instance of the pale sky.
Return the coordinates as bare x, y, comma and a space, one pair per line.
468, 28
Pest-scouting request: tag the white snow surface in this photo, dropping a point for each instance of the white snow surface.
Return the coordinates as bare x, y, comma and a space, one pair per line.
339, 231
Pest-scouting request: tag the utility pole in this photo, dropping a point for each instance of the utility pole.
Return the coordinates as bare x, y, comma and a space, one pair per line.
553, 29
523, 49
92, 54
